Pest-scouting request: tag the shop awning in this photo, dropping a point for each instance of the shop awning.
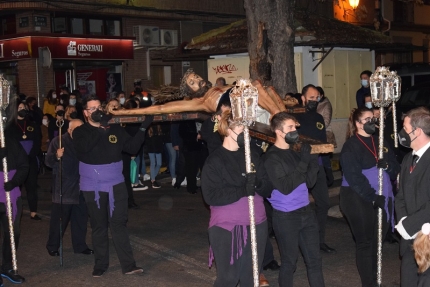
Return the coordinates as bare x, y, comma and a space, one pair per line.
70, 48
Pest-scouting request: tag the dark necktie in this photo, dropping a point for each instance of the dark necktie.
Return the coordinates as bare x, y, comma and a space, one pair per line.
415, 159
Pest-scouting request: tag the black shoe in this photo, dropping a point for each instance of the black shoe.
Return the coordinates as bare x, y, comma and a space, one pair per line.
272, 234
273, 265
134, 270
98, 272
36, 217
88, 251
155, 184
13, 276
54, 253
324, 247
133, 205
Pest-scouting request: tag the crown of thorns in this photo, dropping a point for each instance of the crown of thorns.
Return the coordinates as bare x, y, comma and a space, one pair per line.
183, 88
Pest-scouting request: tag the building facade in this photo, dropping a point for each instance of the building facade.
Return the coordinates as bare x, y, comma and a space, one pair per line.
103, 47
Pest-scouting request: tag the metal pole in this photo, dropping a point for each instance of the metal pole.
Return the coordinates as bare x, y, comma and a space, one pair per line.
255, 271
380, 177
3, 104
60, 124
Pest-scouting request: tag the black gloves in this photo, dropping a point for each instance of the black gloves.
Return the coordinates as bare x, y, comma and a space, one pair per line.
104, 119
8, 186
305, 153
379, 201
147, 122
250, 184
2, 152
382, 163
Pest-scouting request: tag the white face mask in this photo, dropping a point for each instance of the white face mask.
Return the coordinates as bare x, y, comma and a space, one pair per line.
72, 102
54, 96
122, 101
45, 122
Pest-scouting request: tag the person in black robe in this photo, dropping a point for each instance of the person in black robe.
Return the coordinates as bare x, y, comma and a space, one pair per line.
18, 167
29, 135
359, 200
71, 207
312, 125
412, 203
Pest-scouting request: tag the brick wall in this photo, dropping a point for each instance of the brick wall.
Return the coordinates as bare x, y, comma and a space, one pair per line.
27, 77
31, 27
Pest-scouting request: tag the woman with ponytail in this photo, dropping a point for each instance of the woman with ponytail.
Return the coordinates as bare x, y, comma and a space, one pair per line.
359, 199
226, 187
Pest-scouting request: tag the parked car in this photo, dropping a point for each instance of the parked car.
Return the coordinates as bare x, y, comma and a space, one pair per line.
416, 96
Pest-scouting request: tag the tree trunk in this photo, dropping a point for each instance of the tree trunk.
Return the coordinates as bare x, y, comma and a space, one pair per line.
271, 43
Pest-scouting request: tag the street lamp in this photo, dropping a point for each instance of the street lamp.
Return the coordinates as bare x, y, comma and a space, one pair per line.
354, 4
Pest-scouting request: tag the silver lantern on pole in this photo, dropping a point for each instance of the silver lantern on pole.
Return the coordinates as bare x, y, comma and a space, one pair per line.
385, 88
244, 102
4, 102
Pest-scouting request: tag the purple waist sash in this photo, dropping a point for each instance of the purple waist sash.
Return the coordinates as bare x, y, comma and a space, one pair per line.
372, 176
235, 218
27, 145
298, 198
101, 178
14, 193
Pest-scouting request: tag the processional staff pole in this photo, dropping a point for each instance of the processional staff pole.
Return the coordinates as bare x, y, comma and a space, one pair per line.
385, 89
244, 101
4, 102
60, 124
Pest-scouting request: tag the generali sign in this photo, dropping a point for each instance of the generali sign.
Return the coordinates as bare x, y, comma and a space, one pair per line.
67, 48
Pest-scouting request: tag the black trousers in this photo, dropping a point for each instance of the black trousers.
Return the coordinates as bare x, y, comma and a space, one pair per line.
126, 160
191, 162
77, 215
363, 219
229, 275
100, 221
31, 184
322, 202
298, 229
409, 269
268, 253
6, 249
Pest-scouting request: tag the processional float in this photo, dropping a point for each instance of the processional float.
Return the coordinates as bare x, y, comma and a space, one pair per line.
4, 102
385, 86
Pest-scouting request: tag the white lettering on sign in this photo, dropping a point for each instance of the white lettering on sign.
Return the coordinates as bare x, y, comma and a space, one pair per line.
90, 48
225, 69
19, 53
1, 50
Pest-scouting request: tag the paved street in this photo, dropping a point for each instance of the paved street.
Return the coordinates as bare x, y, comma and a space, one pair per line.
169, 238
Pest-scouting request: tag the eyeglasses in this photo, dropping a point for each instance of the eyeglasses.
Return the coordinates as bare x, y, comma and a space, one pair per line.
93, 109
369, 119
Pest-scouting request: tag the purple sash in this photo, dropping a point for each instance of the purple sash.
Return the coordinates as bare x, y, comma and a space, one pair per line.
372, 176
234, 217
27, 145
56, 132
14, 193
101, 178
298, 198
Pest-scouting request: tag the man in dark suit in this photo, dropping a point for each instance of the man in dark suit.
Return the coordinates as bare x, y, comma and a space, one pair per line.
413, 199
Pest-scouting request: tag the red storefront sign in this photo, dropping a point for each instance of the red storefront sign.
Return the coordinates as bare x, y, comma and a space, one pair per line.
67, 48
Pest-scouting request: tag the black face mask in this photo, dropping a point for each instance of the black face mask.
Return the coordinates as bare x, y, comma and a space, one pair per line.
240, 139
22, 113
73, 115
96, 116
291, 137
369, 128
311, 106
404, 138
60, 113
